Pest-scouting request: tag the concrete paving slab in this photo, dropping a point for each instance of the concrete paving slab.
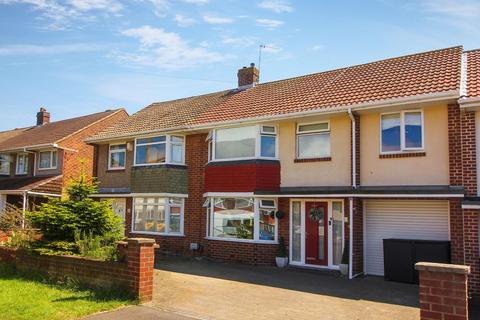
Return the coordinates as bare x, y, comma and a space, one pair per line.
138, 313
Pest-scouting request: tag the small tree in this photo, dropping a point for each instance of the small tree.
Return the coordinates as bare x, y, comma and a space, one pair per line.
59, 219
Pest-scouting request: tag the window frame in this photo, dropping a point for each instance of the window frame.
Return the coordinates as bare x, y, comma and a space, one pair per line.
110, 152
167, 217
403, 148
212, 137
299, 133
25, 156
256, 220
8, 161
51, 167
168, 149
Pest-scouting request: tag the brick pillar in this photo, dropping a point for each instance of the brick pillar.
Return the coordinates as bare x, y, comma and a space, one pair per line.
140, 261
443, 291
471, 243
455, 145
469, 150
357, 241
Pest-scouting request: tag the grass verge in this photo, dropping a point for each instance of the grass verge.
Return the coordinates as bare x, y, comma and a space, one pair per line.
31, 296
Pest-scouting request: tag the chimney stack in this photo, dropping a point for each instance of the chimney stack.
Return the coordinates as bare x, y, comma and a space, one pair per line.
43, 117
248, 77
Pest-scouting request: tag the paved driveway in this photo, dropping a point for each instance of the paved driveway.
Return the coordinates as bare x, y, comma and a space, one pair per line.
212, 290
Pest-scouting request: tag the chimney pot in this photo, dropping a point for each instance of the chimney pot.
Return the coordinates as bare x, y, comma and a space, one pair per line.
248, 76
43, 117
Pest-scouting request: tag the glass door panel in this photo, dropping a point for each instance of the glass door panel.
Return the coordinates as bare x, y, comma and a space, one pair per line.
337, 232
296, 231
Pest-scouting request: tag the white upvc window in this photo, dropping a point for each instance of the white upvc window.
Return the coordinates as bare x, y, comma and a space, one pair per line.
243, 219
158, 215
401, 131
313, 140
117, 154
169, 149
4, 164
22, 164
48, 160
242, 143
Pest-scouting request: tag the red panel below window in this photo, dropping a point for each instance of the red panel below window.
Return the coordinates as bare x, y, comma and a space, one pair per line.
243, 177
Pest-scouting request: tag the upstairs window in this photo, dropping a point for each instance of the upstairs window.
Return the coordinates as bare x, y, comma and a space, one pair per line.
116, 156
313, 140
248, 142
401, 131
48, 160
4, 164
158, 150
22, 164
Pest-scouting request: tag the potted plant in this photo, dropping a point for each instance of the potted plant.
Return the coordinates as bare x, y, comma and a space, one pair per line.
345, 258
281, 259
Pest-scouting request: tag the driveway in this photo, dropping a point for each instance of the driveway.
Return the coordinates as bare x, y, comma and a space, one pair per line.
210, 290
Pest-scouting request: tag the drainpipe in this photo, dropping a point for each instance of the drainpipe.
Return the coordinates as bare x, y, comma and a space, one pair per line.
350, 247
354, 150
24, 208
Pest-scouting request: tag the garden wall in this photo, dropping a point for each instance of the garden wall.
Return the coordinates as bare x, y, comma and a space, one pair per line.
134, 274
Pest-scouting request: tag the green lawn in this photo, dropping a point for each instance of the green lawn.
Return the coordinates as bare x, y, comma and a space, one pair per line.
33, 298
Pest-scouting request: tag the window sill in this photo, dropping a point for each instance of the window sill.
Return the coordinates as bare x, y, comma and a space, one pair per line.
402, 155
45, 169
116, 170
242, 240
312, 160
158, 234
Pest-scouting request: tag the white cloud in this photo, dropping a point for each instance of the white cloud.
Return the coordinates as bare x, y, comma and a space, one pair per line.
269, 23
317, 47
184, 21
196, 1
161, 7
454, 8
63, 15
31, 49
239, 41
277, 6
217, 20
166, 50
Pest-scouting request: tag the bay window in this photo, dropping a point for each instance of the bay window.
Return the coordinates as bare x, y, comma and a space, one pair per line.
116, 156
4, 164
247, 142
158, 215
245, 219
48, 160
401, 131
159, 150
313, 140
22, 164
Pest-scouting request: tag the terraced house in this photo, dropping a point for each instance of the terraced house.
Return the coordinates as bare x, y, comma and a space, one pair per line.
364, 153
37, 162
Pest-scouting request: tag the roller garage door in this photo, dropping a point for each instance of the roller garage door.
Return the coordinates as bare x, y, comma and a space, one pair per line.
401, 219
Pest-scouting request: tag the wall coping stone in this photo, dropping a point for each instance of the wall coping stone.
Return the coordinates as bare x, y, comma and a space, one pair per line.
141, 241
442, 267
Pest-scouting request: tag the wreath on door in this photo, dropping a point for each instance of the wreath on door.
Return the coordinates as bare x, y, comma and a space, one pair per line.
316, 213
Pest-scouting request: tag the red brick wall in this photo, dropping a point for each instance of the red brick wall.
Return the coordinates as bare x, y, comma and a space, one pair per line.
72, 160
455, 145
471, 242
357, 246
469, 150
245, 177
456, 231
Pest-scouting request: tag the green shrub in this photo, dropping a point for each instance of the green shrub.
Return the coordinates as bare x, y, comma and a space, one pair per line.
96, 247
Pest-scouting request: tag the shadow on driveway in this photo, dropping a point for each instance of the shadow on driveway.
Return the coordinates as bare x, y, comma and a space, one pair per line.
317, 282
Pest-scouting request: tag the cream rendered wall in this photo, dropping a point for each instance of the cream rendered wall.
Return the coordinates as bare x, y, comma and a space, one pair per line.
324, 173
432, 169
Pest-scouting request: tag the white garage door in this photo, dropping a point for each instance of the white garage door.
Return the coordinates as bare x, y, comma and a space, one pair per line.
402, 219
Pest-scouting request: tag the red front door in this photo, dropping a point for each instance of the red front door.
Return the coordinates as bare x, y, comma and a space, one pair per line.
316, 233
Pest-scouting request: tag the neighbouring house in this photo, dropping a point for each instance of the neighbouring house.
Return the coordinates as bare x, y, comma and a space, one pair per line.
37, 162
364, 153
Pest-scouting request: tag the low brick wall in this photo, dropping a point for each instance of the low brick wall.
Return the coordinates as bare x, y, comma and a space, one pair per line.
135, 273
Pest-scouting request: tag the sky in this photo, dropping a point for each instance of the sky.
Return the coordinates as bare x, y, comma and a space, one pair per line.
76, 57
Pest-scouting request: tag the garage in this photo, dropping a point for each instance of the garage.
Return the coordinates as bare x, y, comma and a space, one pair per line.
401, 219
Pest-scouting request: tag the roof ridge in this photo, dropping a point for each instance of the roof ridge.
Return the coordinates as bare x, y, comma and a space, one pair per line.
75, 118
361, 64
471, 50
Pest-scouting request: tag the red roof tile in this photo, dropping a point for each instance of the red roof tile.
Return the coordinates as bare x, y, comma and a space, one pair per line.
473, 73
52, 184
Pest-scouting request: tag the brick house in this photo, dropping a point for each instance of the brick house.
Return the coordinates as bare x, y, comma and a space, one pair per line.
36, 162
363, 153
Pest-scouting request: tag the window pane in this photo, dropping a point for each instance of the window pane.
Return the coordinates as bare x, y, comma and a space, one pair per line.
54, 158
391, 132
233, 218
267, 203
313, 127
177, 153
175, 213
268, 146
4, 164
117, 160
151, 140
149, 217
337, 215
268, 129
413, 130
118, 147
150, 154
267, 224
177, 139
296, 231
314, 145
45, 159
235, 143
